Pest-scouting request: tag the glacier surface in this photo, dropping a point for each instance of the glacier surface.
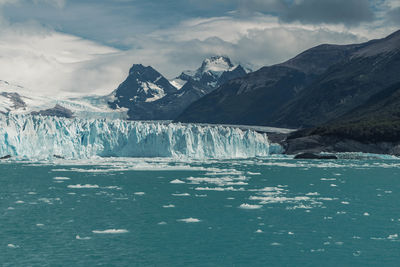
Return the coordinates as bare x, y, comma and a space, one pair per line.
36, 137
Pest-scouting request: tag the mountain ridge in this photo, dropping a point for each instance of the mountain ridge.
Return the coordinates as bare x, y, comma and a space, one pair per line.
148, 95
319, 84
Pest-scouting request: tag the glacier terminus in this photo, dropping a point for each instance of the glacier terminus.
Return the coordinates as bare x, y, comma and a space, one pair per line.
28, 137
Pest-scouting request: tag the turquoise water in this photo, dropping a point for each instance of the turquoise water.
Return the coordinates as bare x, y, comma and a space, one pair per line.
255, 212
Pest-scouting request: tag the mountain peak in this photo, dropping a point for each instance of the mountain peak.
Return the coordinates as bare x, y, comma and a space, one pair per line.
216, 64
212, 73
139, 69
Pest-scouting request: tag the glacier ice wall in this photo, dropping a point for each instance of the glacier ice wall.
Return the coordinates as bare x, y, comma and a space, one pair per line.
37, 137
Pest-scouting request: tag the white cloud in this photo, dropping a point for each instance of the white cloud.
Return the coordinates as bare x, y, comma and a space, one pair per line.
49, 62
56, 3
393, 3
3, 2
260, 40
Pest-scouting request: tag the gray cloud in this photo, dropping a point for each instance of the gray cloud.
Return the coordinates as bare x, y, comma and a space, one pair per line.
393, 16
330, 11
348, 12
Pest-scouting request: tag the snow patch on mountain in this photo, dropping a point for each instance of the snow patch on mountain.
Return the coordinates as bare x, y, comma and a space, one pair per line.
178, 83
210, 72
217, 64
15, 99
156, 91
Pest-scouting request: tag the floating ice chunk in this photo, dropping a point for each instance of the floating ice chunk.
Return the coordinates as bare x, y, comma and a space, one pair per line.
111, 231
300, 206
80, 186
12, 246
312, 194
357, 253
112, 187
181, 194
394, 236
62, 178
250, 206
177, 181
327, 198
366, 214
317, 250
230, 188
189, 220
82, 238
276, 244
220, 181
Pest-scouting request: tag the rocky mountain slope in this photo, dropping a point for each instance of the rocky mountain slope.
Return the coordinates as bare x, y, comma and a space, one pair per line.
377, 120
319, 85
147, 95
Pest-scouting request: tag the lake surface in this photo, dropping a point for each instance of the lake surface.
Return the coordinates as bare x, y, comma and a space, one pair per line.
163, 212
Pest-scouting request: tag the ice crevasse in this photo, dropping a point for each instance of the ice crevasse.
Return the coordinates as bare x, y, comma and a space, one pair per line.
37, 137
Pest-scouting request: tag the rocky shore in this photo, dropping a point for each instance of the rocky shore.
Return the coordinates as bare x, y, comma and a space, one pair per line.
331, 144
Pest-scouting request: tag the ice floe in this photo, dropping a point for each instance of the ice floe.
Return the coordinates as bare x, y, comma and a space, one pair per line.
83, 186
250, 206
111, 231
189, 220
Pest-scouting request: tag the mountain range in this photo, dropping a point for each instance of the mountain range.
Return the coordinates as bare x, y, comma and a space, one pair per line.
144, 95
148, 95
315, 87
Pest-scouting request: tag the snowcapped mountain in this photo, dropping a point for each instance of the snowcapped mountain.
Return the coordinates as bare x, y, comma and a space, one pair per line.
149, 96
144, 95
143, 84
213, 72
15, 99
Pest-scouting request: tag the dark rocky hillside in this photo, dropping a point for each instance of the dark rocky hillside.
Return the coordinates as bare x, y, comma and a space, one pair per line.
317, 86
377, 120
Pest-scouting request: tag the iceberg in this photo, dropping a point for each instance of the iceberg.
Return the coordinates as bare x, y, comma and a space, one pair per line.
27, 137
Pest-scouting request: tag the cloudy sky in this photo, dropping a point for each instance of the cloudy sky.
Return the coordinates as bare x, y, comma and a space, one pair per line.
87, 46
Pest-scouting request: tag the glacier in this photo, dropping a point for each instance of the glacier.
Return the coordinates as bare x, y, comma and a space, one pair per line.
27, 137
